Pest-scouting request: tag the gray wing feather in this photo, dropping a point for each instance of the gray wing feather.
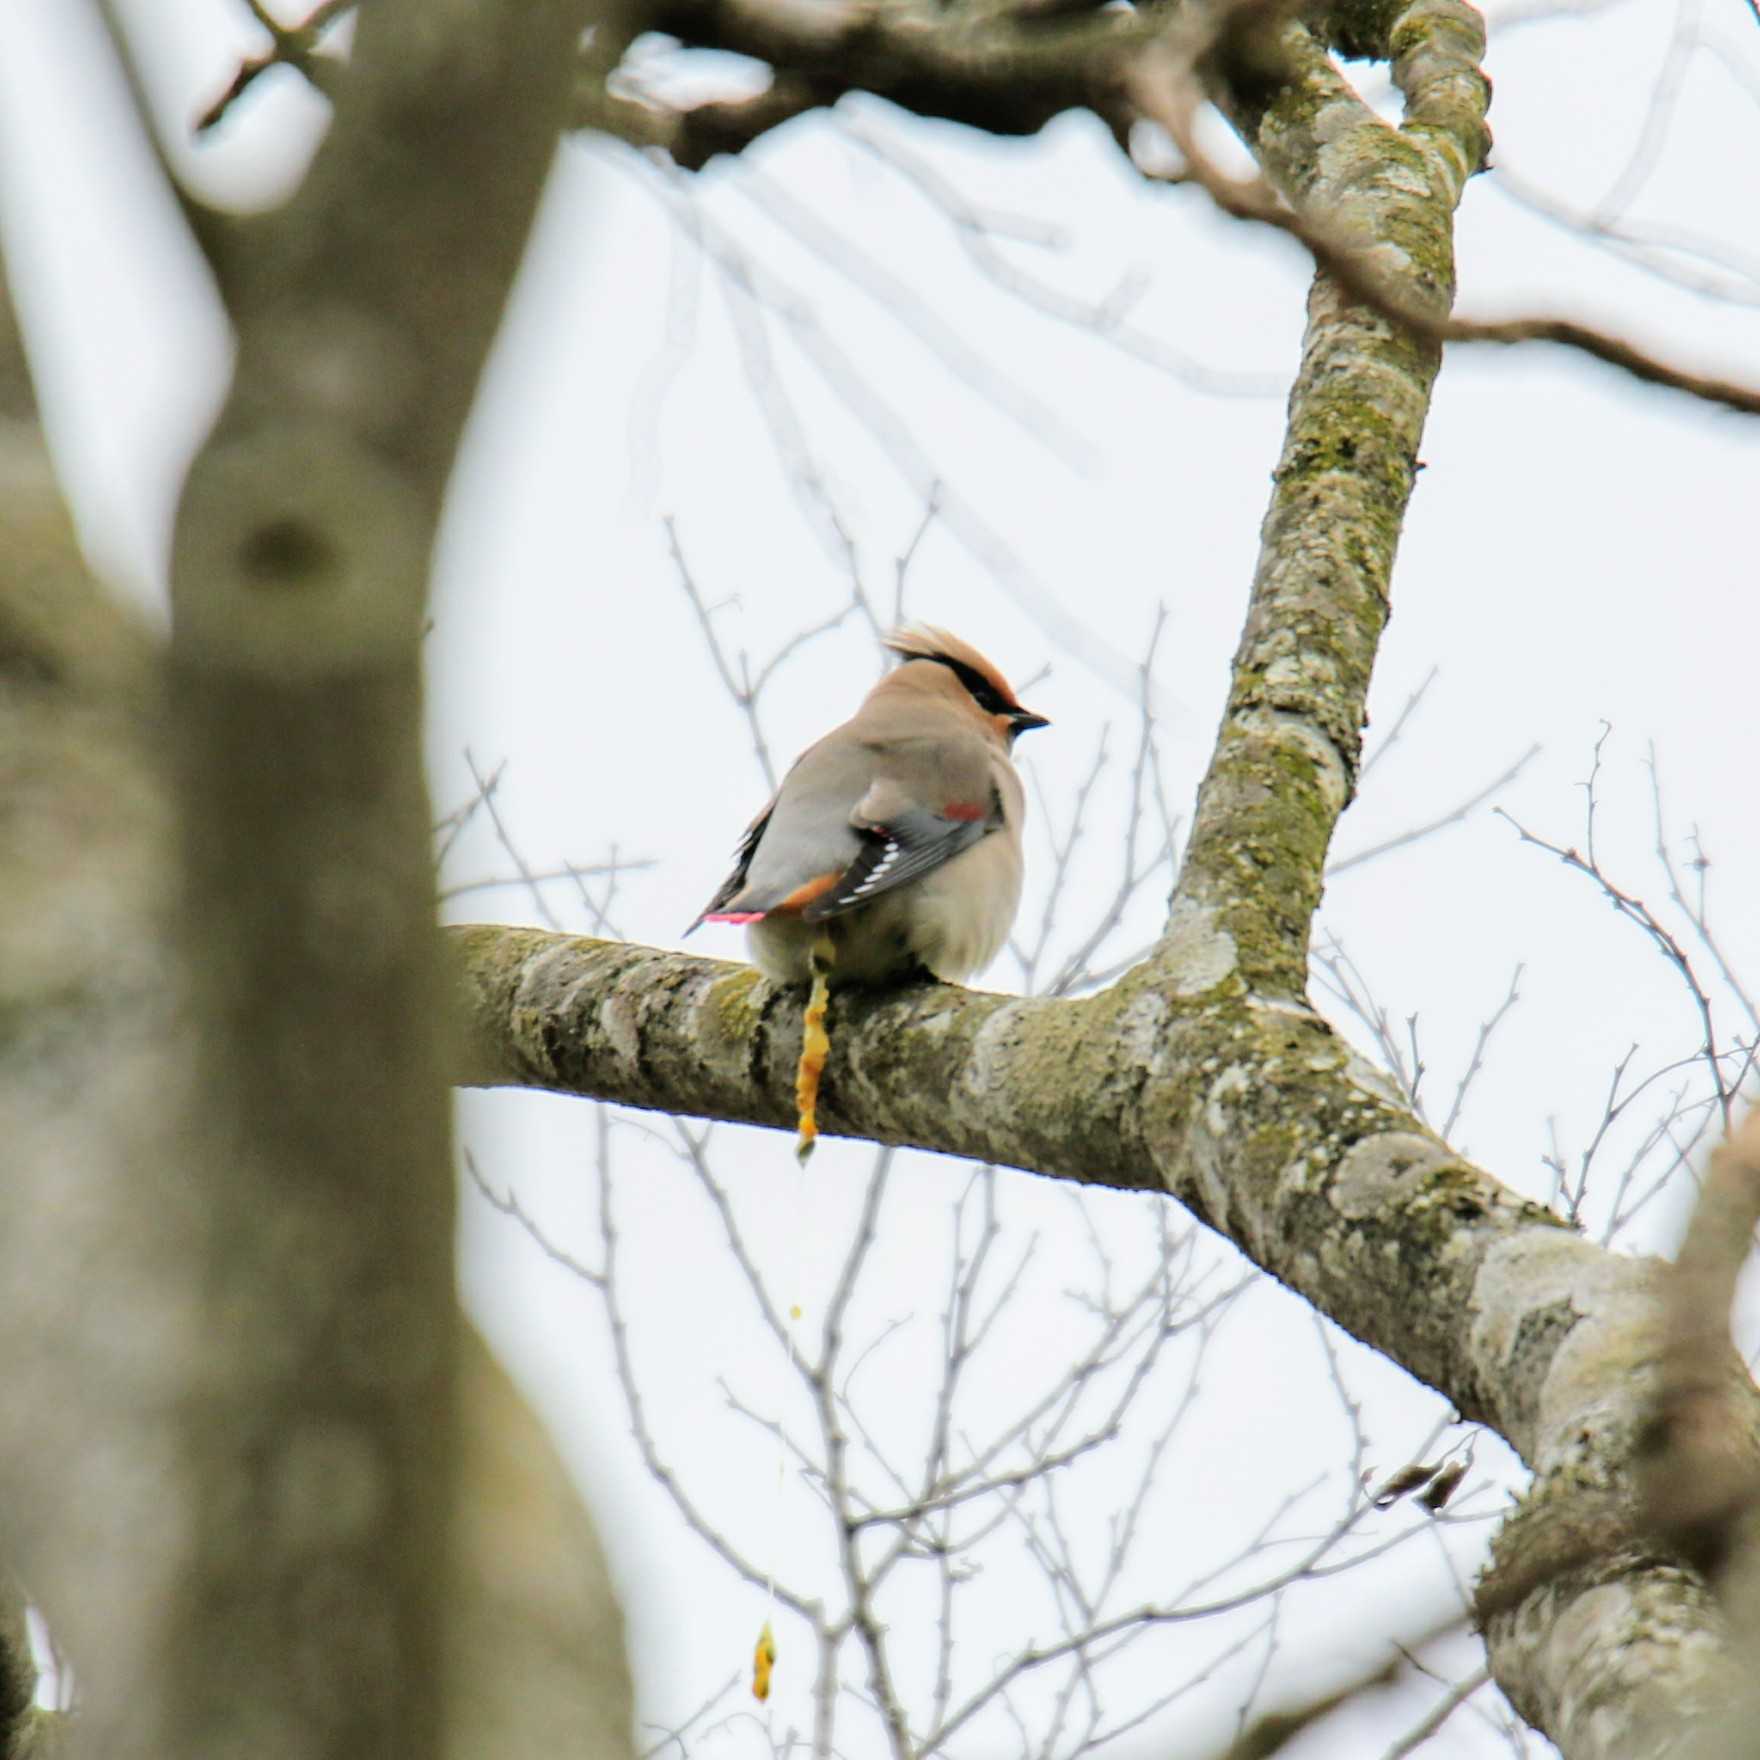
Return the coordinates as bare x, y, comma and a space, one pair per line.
907, 846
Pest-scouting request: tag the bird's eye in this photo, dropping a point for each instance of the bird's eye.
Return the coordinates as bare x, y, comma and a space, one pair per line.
984, 693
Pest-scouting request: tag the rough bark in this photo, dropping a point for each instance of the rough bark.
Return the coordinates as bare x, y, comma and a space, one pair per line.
1205, 1073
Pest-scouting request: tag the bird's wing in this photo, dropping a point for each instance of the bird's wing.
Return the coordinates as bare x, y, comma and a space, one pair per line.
715, 911
903, 838
864, 810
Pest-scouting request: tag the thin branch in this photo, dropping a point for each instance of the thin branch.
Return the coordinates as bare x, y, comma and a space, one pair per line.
1438, 1715
742, 685
1695, 912
294, 46
1383, 746
527, 878
901, 567
1708, 268
898, 297
1665, 92
575, 871
1477, 1061
674, 1734
1106, 319
1635, 911
658, 1469
1453, 817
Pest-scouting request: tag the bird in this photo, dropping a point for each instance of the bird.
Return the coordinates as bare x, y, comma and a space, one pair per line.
899, 830
893, 847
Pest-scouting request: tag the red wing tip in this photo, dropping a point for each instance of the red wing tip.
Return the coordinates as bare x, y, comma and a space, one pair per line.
734, 916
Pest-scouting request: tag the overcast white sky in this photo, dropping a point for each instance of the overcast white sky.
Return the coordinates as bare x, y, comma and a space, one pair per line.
1579, 552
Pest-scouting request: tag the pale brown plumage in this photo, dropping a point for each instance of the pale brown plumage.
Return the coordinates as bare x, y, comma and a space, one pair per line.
898, 833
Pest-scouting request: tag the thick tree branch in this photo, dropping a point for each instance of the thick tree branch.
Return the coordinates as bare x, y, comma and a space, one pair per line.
692, 137
990, 68
1287, 753
1296, 1148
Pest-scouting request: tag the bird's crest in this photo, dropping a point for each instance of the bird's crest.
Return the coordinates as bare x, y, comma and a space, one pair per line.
924, 641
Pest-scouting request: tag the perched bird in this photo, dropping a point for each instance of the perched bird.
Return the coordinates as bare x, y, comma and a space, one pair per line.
900, 831
894, 844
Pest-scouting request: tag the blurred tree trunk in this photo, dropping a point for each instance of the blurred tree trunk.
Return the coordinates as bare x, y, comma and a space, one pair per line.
230, 1451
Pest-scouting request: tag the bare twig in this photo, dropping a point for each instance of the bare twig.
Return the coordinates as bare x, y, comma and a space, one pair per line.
743, 685
1342, 976
988, 77
1477, 1062
1454, 816
1695, 910
449, 829
1438, 1715
294, 46
575, 871
1634, 910
1665, 91
1706, 267
485, 786
1384, 745
1106, 319
673, 1735
897, 296
901, 567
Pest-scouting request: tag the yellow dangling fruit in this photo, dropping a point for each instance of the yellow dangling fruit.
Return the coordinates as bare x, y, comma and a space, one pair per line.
815, 1048
763, 1661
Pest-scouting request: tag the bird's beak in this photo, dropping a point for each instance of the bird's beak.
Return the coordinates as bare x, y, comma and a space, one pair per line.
1024, 721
